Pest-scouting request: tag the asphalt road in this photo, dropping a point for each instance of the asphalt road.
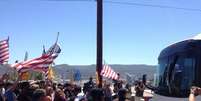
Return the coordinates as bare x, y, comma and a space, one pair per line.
163, 98
156, 97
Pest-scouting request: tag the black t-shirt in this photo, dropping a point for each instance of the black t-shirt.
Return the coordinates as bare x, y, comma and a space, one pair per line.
88, 86
139, 92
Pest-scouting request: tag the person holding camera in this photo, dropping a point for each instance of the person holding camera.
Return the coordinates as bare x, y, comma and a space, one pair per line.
195, 91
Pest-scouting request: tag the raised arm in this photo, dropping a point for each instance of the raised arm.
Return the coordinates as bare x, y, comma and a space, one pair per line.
194, 92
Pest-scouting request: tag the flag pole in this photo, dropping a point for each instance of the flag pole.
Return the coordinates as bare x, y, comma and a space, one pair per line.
8, 38
44, 51
57, 38
26, 56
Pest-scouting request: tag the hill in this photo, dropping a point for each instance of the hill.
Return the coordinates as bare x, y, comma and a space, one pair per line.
89, 70
66, 71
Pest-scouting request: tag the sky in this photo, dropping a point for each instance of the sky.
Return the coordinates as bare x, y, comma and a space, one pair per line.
132, 34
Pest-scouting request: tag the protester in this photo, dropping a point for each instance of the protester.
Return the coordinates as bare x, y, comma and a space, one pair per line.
39, 95
26, 93
194, 92
79, 95
49, 92
96, 94
139, 88
10, 87
88, 85
9, 93
122, 94
46, 90
59, 95
2, 90
129, 93
107, 92
117, 86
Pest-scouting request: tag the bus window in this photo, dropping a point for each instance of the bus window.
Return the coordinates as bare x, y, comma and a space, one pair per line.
188, 73
163, 63
183, 73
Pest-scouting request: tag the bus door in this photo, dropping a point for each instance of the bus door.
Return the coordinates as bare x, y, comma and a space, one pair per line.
183, 74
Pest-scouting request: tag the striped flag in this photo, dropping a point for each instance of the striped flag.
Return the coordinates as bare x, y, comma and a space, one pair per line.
108, 72
49, 75
40, 64
54, 50
4, 51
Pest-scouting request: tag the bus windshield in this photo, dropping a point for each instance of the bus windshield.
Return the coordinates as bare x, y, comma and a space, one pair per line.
182, 75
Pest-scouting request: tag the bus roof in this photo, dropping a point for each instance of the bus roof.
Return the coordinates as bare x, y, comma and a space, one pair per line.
179, 47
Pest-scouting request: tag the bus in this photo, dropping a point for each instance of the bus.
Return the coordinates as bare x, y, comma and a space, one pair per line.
179, 68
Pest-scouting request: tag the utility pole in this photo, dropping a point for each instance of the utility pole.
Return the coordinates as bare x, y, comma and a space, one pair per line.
99, 42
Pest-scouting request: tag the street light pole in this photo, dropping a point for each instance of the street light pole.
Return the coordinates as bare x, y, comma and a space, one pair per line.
99, 42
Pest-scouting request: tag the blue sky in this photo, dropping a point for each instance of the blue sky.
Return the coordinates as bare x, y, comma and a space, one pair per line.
132, 34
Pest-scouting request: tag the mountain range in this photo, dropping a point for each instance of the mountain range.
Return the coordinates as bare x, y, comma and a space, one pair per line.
66, 71
86, 71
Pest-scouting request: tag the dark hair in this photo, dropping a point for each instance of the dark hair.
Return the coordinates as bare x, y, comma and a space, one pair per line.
97, 94
24, 85
122, 94
66, 84
90, 78
8, 84
38, 93
78, 88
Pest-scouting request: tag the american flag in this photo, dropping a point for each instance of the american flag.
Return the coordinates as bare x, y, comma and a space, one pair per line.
40, 64
108, 72
54, 50
4, 51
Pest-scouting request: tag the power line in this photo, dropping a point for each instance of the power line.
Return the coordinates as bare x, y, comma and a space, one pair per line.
135, 4
71, 0
150, 5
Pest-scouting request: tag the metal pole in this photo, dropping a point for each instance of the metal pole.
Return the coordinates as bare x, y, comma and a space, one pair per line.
99, 41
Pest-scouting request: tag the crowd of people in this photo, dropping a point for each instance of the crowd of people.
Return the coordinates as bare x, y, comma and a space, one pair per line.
49, 91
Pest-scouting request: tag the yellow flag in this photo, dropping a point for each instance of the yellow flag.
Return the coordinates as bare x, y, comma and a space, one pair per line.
25, 76
97, 78
50, 73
